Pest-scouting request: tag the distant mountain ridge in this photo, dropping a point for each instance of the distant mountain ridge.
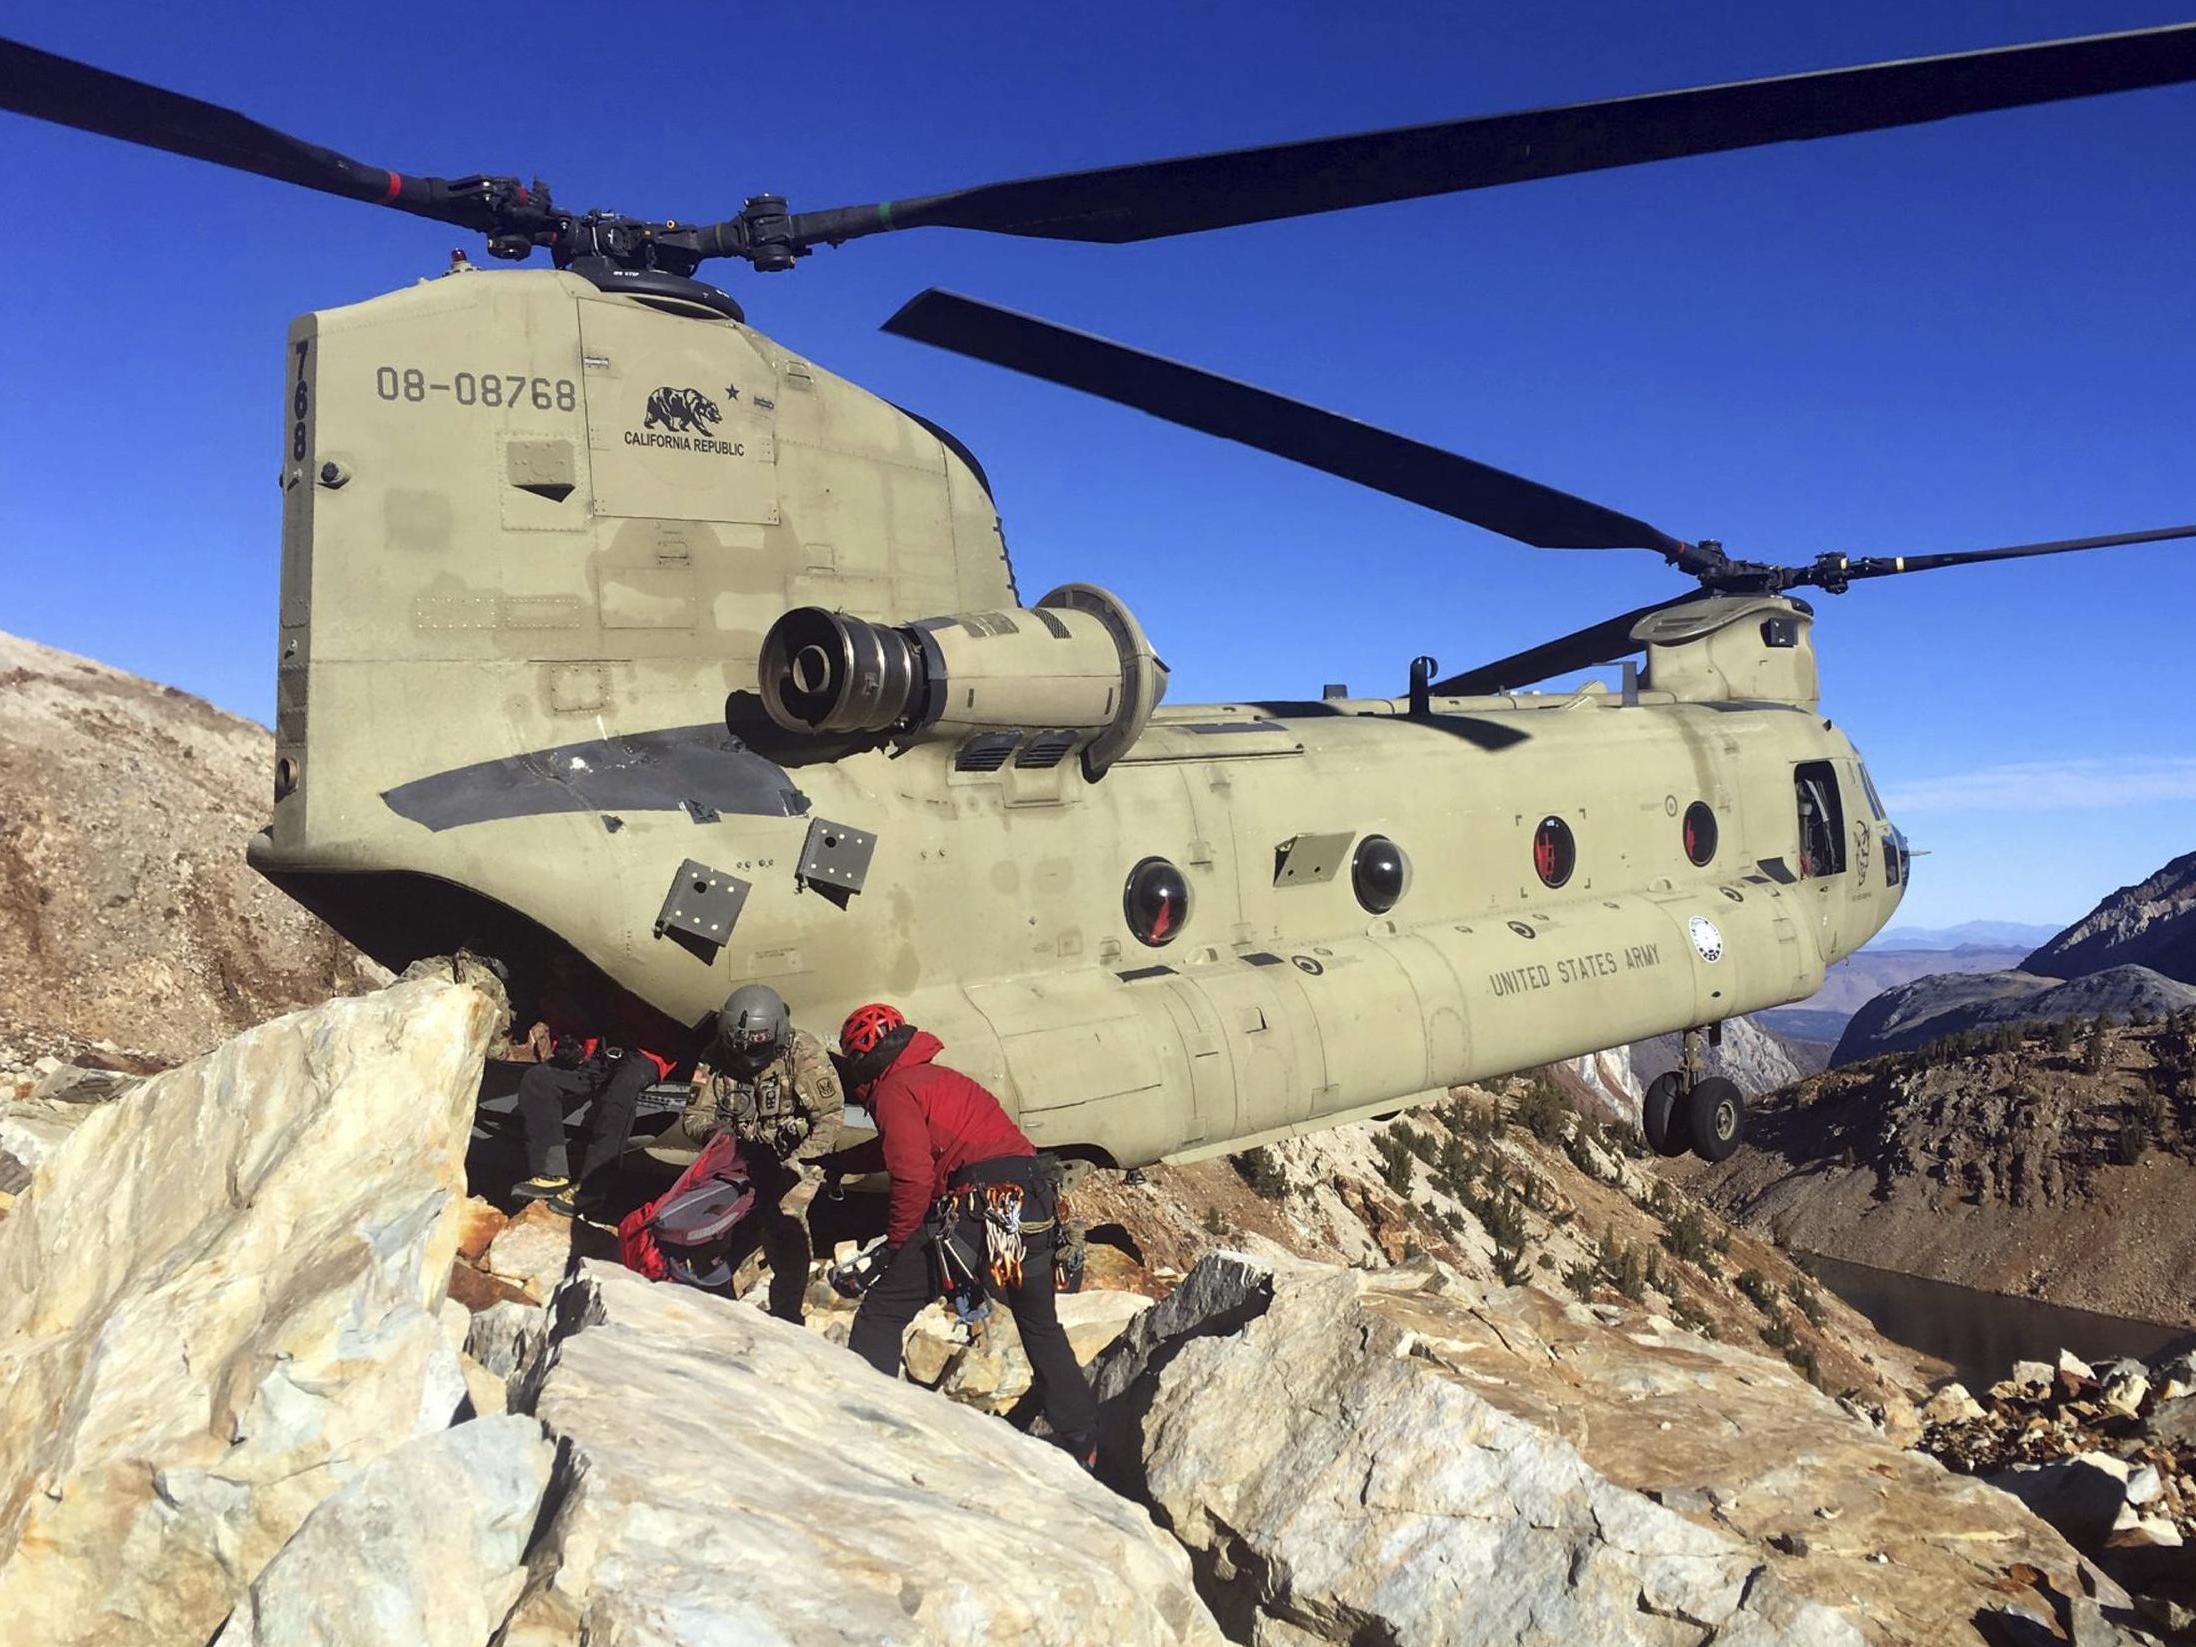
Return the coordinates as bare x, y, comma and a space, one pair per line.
2020, 935
2152, 924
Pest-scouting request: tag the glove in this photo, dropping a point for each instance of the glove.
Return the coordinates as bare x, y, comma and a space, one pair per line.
859, 1273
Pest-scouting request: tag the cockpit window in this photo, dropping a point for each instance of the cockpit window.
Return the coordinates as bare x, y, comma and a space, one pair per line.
1868, 788
1821, 819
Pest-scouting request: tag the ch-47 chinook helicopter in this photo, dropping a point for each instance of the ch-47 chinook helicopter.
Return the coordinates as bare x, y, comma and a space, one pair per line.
612, 628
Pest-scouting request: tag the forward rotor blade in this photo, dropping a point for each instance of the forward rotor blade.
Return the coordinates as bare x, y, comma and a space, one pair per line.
1394, 464
1834, 571
70, 93
1588, 648
1116, 204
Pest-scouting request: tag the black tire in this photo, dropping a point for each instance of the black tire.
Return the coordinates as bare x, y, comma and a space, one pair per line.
1716, 1118
1663, 1116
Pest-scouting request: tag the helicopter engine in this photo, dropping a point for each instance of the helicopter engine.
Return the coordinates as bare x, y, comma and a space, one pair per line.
1072, 672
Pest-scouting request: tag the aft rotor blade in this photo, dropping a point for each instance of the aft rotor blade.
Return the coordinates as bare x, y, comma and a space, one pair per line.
1834, 571
1589, 648
1394, 464
70, 93
1145, 201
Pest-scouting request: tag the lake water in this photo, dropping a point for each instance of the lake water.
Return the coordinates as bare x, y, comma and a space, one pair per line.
1983, 1333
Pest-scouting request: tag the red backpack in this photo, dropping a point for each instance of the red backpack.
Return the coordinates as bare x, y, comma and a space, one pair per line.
685, 1233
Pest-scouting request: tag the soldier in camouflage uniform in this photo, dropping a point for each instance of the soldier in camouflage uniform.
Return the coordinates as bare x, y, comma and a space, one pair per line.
775, 1088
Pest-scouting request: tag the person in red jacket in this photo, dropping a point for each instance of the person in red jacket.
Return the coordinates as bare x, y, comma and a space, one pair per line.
956, 1162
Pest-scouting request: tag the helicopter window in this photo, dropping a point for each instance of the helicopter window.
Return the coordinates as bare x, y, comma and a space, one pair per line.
1821, 819
1555, 854
1156, 901
1700, 833
1868, 788
1378, 873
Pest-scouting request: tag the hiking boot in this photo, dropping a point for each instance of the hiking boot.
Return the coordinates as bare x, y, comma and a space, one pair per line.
565, 1203
541, 1189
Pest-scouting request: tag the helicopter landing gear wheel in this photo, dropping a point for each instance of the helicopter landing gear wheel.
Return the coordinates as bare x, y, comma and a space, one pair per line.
1716, 1118
1664, 1115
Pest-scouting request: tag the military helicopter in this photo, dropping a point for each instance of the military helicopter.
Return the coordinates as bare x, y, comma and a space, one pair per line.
614, 631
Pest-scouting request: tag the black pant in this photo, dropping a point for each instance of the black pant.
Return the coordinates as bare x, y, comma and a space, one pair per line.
782, 1235
546, 1094
911, 1280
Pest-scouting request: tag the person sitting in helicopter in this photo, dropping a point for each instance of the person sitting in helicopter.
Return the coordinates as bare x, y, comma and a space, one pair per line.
971, 1206
575, 1062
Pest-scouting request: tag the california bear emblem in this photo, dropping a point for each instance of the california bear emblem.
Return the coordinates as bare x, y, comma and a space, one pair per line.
682, 411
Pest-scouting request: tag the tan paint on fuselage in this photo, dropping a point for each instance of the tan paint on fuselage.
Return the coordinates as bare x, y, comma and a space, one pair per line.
441, 608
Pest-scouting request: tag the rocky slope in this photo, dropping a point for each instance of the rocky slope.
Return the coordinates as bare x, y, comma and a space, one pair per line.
1512, 1186
1409, 1447
127, 914
2058, 1164
1931, 1009
1413, 1456
2151, 924
1759, 1061
2135, 952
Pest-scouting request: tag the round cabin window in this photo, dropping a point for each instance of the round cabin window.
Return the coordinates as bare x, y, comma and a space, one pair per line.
1156, 902
1377, 873
1700, 833
1555, 854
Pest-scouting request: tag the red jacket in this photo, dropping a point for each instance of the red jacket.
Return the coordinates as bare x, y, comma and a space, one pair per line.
932, 1122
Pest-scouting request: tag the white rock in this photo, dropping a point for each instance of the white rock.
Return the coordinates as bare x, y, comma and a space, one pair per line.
533, 1251
1951, 1405
217, 1303
34, 1132
76, 1084
2144, 1484
1337, 1481
2033, 1378
2153, 1530
994, 1371
1411, 1457
2081, 1496
736, 1479
2118, 1468
934, 1338
506, 1336
2124, 1388
456, 1322
424, 1547
2075, 1367
487, 1395
2175, 1377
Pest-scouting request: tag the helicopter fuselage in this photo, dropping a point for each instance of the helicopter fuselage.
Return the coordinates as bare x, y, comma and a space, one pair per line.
535, 536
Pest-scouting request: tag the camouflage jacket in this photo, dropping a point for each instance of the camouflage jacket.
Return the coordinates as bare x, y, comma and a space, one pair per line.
792, 1108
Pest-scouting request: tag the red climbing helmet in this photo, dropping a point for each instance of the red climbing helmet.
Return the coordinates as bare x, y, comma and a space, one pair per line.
865, 1026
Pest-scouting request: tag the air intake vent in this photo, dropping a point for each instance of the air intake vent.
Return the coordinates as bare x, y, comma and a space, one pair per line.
985, 752
1046, 749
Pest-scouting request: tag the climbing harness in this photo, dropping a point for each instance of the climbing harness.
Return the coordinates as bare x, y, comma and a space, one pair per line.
978, 1234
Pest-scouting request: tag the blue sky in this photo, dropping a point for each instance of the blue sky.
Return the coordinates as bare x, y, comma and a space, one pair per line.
1950, 336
